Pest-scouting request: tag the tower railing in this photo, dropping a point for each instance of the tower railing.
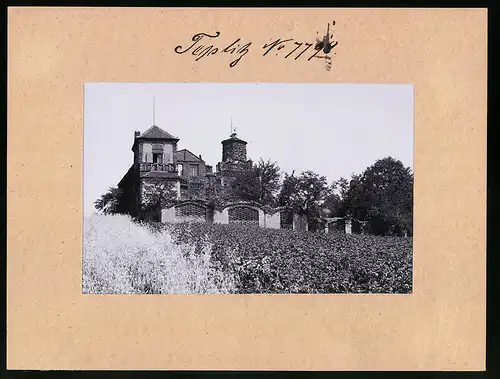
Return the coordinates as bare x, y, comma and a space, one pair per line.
165, 167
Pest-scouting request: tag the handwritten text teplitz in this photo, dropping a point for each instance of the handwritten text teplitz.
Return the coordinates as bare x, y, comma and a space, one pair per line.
203, 45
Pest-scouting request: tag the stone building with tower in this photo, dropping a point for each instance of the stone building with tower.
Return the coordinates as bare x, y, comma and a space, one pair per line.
158, 161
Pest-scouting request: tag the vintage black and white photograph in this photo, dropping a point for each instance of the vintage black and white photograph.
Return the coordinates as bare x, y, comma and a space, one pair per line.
247, 188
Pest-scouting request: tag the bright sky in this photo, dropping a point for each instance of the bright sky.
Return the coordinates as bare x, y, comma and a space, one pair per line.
332, 129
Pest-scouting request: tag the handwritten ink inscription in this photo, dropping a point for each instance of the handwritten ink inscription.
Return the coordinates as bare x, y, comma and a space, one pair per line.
281, 44
201, 51
204, 45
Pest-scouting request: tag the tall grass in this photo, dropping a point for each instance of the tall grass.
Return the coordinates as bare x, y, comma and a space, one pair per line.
122, 257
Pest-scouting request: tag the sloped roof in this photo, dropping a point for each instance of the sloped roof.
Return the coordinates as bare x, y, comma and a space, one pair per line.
126, 176
185, 155
155, 132
233, 138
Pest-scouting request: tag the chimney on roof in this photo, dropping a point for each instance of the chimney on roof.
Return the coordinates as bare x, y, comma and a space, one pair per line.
136, 134
200, 157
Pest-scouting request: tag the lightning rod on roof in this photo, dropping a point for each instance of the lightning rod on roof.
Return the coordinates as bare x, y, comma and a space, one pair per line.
154, 120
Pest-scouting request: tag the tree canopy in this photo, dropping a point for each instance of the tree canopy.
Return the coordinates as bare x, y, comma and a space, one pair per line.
109, 203
259, 183
382, 195
305, 193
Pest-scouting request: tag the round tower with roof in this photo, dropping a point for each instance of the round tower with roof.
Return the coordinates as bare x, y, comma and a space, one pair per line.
234, 158
234, 149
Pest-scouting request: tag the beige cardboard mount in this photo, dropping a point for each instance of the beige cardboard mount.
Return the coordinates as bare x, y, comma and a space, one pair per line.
441, 326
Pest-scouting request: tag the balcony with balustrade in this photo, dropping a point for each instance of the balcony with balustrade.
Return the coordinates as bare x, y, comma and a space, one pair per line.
162, 167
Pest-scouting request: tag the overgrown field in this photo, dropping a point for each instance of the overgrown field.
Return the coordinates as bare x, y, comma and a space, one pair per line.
124, 257
283, 261
120, 256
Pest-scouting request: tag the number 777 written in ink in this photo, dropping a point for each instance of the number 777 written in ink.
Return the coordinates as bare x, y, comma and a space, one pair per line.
298, 48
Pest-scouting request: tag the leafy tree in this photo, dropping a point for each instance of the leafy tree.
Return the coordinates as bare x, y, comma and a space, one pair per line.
354, 201
383, 194
342, 185
304, 194
259, 183
109, 203
333, 205
269, 175
290, 183
156, 195
246, 185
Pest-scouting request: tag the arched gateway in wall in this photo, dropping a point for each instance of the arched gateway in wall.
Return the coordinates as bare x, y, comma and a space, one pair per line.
191, 211
286, 219
233, 213
243, 214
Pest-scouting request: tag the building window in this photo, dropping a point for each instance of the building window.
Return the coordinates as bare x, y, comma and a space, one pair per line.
168, 150
157, 150
147, 155
195, 170
179, 169
157, 158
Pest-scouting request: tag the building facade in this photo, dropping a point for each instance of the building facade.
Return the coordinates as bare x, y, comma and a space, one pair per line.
158, 162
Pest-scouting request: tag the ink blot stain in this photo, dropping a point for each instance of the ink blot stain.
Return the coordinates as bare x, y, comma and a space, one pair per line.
326, 44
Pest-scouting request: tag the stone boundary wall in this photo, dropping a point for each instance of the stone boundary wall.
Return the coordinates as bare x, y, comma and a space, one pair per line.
199, 211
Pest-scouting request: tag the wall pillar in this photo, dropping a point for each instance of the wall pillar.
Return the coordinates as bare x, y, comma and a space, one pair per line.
273, 220
221, 217
348, 226
178, 189
300, 223
262, 219
168, 214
